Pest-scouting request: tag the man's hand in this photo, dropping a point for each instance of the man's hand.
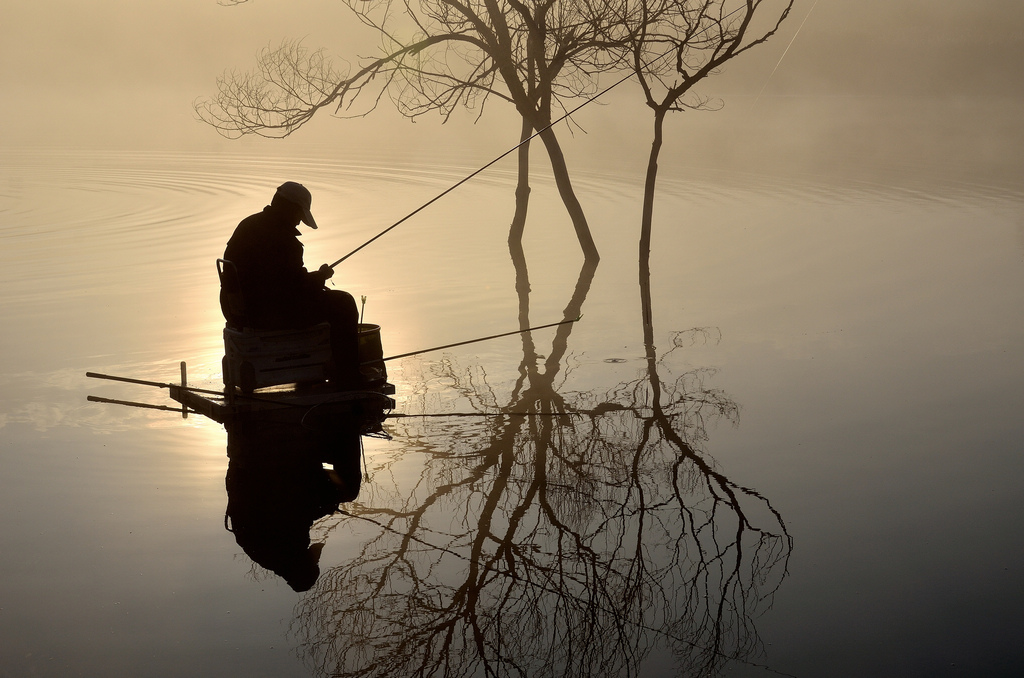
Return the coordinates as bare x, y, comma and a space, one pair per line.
326, 271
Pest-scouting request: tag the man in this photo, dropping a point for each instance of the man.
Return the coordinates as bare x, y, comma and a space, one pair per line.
276, 289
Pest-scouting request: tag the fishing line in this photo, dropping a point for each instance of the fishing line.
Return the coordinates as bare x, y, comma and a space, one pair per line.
474, 341
786, 51
404, 415
478, 171
549, 588
525, 141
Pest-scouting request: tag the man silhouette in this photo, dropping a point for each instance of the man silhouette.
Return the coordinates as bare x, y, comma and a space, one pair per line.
276, 289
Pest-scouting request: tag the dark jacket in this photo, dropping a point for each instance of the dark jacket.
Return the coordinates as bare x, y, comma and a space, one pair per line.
277, 291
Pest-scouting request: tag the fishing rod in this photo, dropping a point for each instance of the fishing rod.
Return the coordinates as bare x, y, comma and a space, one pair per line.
160, 384
786, 51
391, 415
474, 341
478, 171
406, 415
515, 148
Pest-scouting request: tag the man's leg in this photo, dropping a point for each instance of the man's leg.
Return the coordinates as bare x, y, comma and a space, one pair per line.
340, 311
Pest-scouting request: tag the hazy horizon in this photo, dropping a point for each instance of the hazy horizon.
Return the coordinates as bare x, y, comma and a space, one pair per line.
940, 84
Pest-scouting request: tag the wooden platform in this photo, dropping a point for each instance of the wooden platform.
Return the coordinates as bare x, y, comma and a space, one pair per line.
316, 402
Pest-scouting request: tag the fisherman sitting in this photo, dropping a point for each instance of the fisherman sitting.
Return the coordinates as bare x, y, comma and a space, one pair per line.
276, 289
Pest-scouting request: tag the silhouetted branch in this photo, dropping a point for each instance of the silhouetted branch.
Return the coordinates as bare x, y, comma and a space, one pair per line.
549, 546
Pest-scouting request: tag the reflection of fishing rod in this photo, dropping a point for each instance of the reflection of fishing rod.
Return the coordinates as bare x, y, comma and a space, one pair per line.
132, 403
473, 341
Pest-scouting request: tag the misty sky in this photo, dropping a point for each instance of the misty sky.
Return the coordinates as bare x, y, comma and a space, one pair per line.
110, 73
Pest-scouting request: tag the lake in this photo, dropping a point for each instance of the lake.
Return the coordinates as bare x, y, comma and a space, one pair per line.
809, 466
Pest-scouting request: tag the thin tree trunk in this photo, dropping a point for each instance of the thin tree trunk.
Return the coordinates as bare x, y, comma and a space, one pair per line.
646, 221
515, 241
573, 310
515, 249
515, 233
568, 195
528, 367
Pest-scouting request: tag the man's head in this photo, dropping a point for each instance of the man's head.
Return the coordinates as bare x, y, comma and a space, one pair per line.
298, 196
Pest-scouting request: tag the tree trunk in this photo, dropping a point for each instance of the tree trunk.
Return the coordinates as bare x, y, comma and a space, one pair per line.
647, 219
528, 367
515, 233
572, 310
568, 195
515, 249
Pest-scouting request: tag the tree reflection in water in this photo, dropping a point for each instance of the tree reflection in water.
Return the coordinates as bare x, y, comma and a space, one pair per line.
566, 544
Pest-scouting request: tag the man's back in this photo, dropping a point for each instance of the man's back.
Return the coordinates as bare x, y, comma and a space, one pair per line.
275, 286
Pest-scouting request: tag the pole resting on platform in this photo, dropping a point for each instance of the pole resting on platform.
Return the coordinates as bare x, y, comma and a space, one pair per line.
184, 385
473, 341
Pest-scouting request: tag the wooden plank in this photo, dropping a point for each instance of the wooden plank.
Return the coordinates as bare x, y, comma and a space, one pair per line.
278, 403
193, 400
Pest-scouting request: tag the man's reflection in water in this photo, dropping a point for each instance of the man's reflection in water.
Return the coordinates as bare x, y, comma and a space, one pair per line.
278, 487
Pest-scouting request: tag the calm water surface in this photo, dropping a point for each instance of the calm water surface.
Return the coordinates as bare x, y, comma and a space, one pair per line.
812, 467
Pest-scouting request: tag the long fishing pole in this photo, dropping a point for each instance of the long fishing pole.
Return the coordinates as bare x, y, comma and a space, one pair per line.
786, 51
511, 150
473, 341
405, 415
160, 384
478, 171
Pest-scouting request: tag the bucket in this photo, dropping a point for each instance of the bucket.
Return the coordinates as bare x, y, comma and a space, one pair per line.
371, 355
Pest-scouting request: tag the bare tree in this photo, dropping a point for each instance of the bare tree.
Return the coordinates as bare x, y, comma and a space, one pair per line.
677, 44
437, 55
567, 535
